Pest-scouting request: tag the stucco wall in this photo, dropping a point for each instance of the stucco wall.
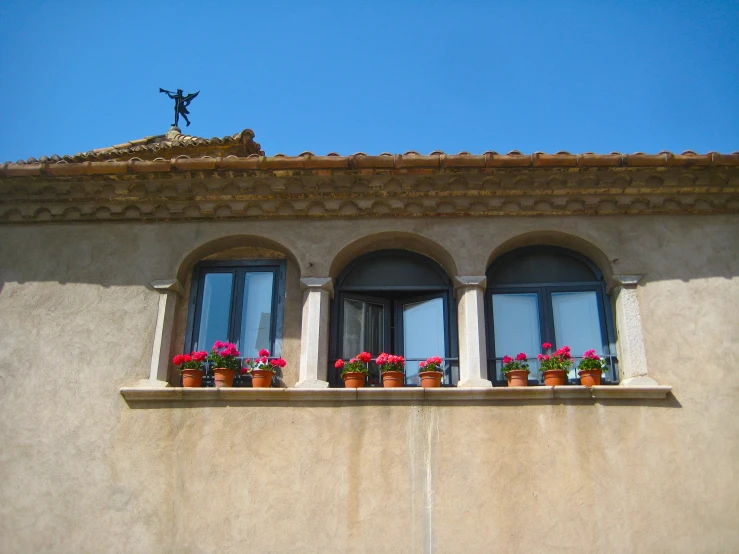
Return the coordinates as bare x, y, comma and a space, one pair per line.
82, 471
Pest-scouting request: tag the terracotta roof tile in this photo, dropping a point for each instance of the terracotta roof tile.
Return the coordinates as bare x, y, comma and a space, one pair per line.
174, 151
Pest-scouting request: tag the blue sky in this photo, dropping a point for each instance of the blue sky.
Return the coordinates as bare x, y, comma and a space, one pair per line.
374, 76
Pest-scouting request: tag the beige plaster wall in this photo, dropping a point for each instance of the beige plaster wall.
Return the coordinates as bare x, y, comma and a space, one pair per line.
82, 471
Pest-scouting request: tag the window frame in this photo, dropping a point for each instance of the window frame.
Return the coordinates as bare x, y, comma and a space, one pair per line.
544, 291
239, 269
393, 297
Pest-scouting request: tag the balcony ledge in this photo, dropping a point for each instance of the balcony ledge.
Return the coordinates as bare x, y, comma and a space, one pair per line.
382, 395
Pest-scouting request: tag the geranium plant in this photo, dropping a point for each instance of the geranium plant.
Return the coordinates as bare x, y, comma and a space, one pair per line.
225, 355
263, 362
195, 360
560, 360
591, 361
390, 362
431, 364
519, 364
358, 364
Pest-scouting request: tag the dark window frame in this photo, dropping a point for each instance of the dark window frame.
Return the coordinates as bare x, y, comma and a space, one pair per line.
544, 291
394, 297
239, 269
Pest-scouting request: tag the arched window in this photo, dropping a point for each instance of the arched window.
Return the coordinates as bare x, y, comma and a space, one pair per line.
543, 294
394, 301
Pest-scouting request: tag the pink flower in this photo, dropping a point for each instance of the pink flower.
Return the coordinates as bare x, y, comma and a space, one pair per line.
539, 357
199, 356
521, 357
279, 362
435, 360
263, 353
382, 359
364, 357
546, 358
352, 360
507, 359
339, 364
546, 345
421, 364
218, 344
243, 370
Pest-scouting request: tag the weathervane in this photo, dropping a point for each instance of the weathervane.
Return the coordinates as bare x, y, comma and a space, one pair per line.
180, 104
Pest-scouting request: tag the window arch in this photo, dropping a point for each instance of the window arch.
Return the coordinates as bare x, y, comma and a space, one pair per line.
538, 294
394, 301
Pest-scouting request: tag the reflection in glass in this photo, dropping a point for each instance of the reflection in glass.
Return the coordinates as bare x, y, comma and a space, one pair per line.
576, 322
257, 313
423, 335
215, 311
516, 324
363, 330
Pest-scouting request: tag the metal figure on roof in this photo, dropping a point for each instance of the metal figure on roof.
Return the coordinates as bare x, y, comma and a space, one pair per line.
180, 104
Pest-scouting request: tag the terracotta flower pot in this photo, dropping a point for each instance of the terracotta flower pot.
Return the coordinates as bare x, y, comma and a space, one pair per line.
554, 378
192, 378
392, 379
224, 377
354, 380
261, 378
518, 378
590, 377
430, 379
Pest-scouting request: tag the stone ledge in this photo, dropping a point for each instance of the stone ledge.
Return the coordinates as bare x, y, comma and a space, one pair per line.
405, 394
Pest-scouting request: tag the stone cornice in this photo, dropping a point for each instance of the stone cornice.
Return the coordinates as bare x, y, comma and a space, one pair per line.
202, 194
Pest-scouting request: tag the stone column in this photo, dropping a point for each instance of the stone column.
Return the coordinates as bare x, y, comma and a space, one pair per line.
632, 358
473, 363
317, 292
169, 291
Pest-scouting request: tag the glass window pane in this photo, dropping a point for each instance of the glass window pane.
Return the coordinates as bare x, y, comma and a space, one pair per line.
256, 317
216, 307
577, 323
363, 328
516, 326
423, 334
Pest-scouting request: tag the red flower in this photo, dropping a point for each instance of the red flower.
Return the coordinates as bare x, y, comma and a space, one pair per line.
177, 360
218, 344
364, 357
521, 357
186, 358
546, 358
279, 362
339, 364
243, 370
546, 345
539, 357
435, 360
199, 356
382, 359
507, 359
422, 364
263, 353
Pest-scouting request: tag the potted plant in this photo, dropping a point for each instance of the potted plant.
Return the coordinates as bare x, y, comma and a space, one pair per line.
191, 368
431, 373
555, 366
516, 371
354, 372
262, 369
392, 369
224, 359
591, 368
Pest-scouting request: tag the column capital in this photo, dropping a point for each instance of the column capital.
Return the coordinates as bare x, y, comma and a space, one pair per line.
626, 281
168, 285
318, 283
462, 282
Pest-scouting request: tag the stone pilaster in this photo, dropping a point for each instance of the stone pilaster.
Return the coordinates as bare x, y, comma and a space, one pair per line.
168, 290
632, 356
470, 293
317, 292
